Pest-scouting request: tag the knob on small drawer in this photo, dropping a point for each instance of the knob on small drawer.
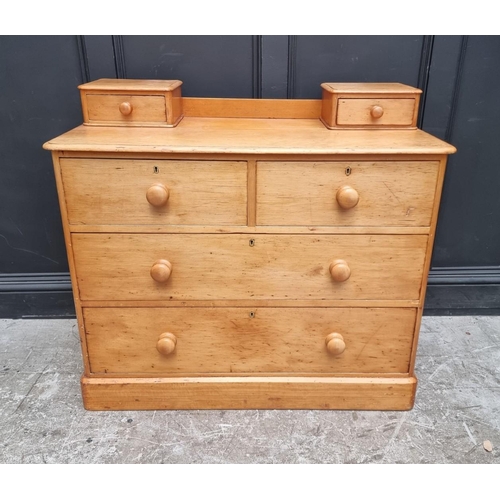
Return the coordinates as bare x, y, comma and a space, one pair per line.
166, 343
377, 112
335, 344
340, 271
347, 197
125, 108
161, 270
157, 195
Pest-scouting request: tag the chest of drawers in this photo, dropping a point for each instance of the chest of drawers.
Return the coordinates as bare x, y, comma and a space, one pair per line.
246, 253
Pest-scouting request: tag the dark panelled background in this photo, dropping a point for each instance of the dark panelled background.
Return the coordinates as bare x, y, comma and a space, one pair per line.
39, 100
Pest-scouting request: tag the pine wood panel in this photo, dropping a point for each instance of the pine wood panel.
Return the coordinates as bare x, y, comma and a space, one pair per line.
249, 136
252, 108
304, 193
130, 85
249, 392
176, 228
355, 303
71, 262
356, 112
369, 88
105, 108
106, 191
211, 267
243, 340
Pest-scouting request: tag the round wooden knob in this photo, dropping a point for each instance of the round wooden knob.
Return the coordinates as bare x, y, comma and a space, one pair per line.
125, 108
157, 195
161, 270
347, 197
166, 343
335, 344
377, 111
339, 270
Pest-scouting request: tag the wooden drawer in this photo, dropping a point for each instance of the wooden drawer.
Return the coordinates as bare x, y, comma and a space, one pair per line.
103, 191
130, 103
322, 193
369, 105
140, 108
228, 340
375, 112
225, 267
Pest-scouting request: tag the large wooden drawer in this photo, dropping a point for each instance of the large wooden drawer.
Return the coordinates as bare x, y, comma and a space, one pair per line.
312, 193
237, 266
239, 340
115, 192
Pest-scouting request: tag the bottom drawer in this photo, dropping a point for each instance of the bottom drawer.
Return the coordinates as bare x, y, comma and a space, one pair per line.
217, 340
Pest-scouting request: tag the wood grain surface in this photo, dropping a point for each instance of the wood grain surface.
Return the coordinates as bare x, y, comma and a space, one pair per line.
249, 392
106, 191
304, 193
248, 340
218, 267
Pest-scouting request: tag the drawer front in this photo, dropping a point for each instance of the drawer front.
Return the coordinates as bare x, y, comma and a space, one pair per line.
376, 112
103, 191
228, 340
321, 193
126, 108
235, 266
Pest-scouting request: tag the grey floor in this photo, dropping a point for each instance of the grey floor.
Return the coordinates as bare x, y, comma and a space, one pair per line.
457, 409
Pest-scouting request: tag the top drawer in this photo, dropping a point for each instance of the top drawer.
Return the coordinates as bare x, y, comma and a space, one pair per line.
118, 191
348, 193
154, 103
369, 105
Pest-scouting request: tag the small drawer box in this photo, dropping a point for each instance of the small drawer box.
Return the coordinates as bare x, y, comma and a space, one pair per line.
369, 105
132, 103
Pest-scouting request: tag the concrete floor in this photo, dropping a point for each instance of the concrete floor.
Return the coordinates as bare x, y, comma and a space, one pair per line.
457, 409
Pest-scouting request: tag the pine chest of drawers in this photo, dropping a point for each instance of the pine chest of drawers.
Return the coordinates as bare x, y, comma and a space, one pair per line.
248, 253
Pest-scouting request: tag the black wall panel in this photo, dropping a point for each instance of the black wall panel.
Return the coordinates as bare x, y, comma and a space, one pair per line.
39, 100
209, 66
318, 59
469, 224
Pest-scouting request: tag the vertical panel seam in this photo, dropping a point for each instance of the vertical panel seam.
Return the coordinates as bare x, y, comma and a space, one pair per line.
83, 58
424, 73
257, 66
456, 88
119, 56
292, 66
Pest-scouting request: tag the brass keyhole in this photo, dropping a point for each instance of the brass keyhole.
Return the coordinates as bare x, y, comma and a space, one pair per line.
252, 242
348, 171
252, 314
156, 170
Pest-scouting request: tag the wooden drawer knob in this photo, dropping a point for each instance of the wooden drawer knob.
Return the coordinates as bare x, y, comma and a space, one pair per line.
347, 197
339, 270
161, 270
335, 344
166, 343
125, 108
157, 195
377, 112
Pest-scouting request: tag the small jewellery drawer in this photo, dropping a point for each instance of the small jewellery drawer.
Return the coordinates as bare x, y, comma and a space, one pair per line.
346, 193
129, 103
243, 340
254, 266
118, 191
126, 108
369, 105
375, 112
